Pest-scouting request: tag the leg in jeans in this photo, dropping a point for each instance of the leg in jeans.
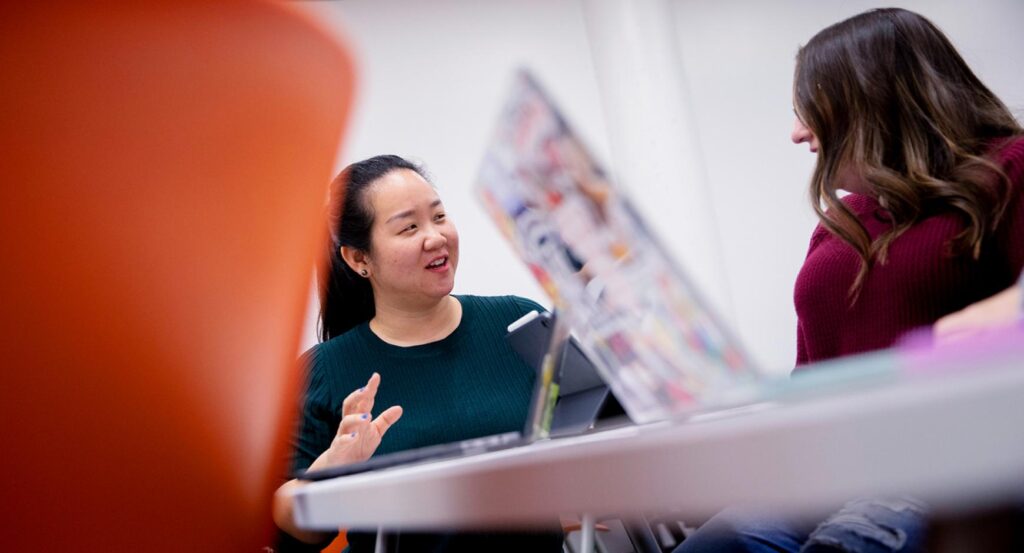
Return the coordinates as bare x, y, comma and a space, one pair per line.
861, 526
746, 530
872, 526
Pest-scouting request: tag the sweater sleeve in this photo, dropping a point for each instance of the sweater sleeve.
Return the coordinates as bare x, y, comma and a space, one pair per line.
527, 305
318, 421
314, 434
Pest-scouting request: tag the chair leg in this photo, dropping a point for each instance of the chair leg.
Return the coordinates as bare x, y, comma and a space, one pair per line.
587, 534
639, 532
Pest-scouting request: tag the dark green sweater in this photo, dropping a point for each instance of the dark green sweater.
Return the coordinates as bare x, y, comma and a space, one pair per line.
467, 385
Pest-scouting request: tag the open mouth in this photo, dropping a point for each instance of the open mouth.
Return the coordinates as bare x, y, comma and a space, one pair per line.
438, 264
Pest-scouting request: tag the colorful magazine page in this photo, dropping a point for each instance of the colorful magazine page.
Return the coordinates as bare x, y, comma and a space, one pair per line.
653, 338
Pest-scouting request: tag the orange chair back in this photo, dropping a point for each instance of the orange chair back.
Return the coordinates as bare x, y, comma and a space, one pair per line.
165, 167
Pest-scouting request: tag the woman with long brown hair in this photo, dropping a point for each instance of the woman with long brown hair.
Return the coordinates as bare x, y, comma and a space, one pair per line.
932, 160
933, 164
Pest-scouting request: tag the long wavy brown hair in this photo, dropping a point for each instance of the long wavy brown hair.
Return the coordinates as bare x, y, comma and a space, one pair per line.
892, 102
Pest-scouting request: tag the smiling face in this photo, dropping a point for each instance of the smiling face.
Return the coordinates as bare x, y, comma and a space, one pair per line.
414, 246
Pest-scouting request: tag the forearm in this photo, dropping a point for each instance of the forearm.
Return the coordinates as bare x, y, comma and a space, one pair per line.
284, 515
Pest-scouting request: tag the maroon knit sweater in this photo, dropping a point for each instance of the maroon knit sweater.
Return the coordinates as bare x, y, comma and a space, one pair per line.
917, 285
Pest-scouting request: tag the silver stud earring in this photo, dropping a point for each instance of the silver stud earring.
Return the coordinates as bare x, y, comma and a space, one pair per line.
363, 272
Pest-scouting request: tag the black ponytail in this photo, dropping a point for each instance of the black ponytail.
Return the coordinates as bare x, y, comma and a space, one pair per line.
346, 298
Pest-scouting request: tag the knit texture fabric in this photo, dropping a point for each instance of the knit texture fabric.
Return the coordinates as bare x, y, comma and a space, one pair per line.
920, 282
467, 385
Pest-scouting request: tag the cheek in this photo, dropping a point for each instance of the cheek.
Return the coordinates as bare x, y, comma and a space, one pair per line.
391, 255
403, 256
453, 243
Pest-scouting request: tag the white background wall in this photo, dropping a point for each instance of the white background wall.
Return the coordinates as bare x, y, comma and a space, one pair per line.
434, 74
433, 77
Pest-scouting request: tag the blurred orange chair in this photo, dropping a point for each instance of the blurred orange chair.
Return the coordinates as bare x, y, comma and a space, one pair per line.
165, 167
338, 545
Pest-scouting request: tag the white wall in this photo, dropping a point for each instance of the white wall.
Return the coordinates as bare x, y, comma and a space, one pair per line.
434, 74
433, 77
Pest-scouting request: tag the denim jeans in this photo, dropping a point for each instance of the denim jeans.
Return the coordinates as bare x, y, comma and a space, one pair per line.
861, 526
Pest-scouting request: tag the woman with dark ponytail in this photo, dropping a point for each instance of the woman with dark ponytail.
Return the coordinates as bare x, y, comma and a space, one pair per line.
346, 298
933, 220
392, 335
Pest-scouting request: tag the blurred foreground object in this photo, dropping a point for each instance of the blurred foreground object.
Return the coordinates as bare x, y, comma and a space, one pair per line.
165, 167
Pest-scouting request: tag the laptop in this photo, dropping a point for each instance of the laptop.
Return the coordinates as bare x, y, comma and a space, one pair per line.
652, 336
584, 401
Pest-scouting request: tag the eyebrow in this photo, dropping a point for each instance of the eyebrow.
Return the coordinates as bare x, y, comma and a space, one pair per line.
410, 212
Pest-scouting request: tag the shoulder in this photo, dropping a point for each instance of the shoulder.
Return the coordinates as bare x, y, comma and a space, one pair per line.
860, 205
312, 359
819, 234
316, 379
512, 305
322, 352
1010, 155
324, 363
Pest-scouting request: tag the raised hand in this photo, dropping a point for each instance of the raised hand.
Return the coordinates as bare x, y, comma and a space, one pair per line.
358, 435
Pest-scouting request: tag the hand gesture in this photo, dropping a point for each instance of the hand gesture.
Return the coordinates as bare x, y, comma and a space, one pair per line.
358, 435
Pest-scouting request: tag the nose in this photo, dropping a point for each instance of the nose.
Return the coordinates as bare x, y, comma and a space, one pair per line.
800, 132
434, 240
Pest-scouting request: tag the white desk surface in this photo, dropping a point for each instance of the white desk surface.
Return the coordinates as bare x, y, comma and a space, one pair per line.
954, 439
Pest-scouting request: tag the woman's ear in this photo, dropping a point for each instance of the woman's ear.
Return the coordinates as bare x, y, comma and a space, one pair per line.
356, 260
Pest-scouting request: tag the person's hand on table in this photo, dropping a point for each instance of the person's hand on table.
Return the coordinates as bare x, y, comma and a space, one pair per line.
358, 435
1000, 310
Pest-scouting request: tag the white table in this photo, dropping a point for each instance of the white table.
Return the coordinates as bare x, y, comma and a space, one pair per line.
953, 439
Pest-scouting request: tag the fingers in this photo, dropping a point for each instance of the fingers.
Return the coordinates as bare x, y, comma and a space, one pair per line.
358, 436
956, 326
389, 417
944, 327
361, 400
344, 439
359, 423
356, 423
996, 311
960, 326
370, 393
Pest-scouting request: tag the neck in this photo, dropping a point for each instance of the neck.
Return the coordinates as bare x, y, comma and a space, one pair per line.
404, 325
